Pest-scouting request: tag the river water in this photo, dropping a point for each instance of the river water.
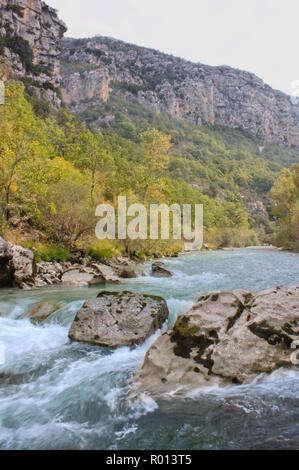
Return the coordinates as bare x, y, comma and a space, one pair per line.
66, 395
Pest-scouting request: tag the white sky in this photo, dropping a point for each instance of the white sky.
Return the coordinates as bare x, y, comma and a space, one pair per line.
261, 36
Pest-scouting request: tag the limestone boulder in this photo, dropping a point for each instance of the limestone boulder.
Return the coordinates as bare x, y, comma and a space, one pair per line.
226, 338
116, 319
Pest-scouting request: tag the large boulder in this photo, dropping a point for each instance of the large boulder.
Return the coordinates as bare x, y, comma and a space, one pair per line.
17, 265
6, 275
159, 269
23, 266
118, 319
127, 273
41, 311
226, 338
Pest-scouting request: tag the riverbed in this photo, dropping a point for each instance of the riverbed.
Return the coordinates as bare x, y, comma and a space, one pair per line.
67, 395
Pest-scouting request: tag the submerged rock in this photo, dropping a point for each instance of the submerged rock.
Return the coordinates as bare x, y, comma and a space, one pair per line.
159, 269
41, 311
226, 338
118, 319
13, 378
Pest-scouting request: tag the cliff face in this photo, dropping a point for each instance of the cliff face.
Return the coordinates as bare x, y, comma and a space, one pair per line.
30, 36
200, 94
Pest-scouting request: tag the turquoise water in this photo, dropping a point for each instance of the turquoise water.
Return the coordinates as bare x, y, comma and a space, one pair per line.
73, 396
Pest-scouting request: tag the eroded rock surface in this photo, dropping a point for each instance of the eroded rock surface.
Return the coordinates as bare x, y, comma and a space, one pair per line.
118, 319
226, 338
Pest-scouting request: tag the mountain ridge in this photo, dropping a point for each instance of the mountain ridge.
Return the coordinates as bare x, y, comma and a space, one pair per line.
200, 94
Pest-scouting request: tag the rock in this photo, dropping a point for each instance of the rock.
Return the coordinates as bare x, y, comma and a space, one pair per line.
23, 266
106, 272
17, 265
226, 338
41, 311
127, 273
277, 443
6, 275
75, 277
13, 378
159, 269
41, 31
118, 319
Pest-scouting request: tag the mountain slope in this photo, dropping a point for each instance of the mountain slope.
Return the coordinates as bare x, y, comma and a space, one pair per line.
199, 94
30, 34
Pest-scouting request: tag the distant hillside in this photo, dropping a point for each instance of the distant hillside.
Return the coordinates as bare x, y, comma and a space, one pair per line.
223, 163
199, 94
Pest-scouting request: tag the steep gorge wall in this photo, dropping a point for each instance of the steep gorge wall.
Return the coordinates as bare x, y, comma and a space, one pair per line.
200, 94
30, 39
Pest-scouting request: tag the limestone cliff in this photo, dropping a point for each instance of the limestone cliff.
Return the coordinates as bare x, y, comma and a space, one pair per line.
30, 35
200, 94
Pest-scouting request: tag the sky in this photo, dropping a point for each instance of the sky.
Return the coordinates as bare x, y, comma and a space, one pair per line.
260, 36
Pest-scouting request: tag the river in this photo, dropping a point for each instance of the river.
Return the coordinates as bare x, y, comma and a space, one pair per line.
74, 396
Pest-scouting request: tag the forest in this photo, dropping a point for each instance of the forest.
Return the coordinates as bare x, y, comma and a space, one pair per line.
55, 169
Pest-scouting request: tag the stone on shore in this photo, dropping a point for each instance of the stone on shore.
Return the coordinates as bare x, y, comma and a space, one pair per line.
77, 278
17, 265
117, 319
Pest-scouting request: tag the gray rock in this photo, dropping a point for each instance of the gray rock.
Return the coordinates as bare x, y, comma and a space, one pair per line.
159, 269
81, 279
106, 272
118, 319
226, 338
23, 266
41, 311
127, 273
17, 265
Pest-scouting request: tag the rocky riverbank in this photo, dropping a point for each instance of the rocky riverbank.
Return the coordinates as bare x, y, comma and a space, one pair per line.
18, 268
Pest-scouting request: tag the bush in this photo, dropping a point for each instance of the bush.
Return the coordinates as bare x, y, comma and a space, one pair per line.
47, 251
101, 249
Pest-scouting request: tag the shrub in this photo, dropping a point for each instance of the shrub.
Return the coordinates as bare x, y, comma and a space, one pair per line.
48, 251
101, 249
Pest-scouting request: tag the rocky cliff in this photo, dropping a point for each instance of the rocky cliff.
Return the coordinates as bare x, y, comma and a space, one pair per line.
30, 35
200, 94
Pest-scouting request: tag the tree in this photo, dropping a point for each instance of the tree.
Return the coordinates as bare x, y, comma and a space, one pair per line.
155, 148
285, 194
89, 153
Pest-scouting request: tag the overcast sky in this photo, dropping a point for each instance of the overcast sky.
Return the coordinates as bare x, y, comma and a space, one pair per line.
261, 36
